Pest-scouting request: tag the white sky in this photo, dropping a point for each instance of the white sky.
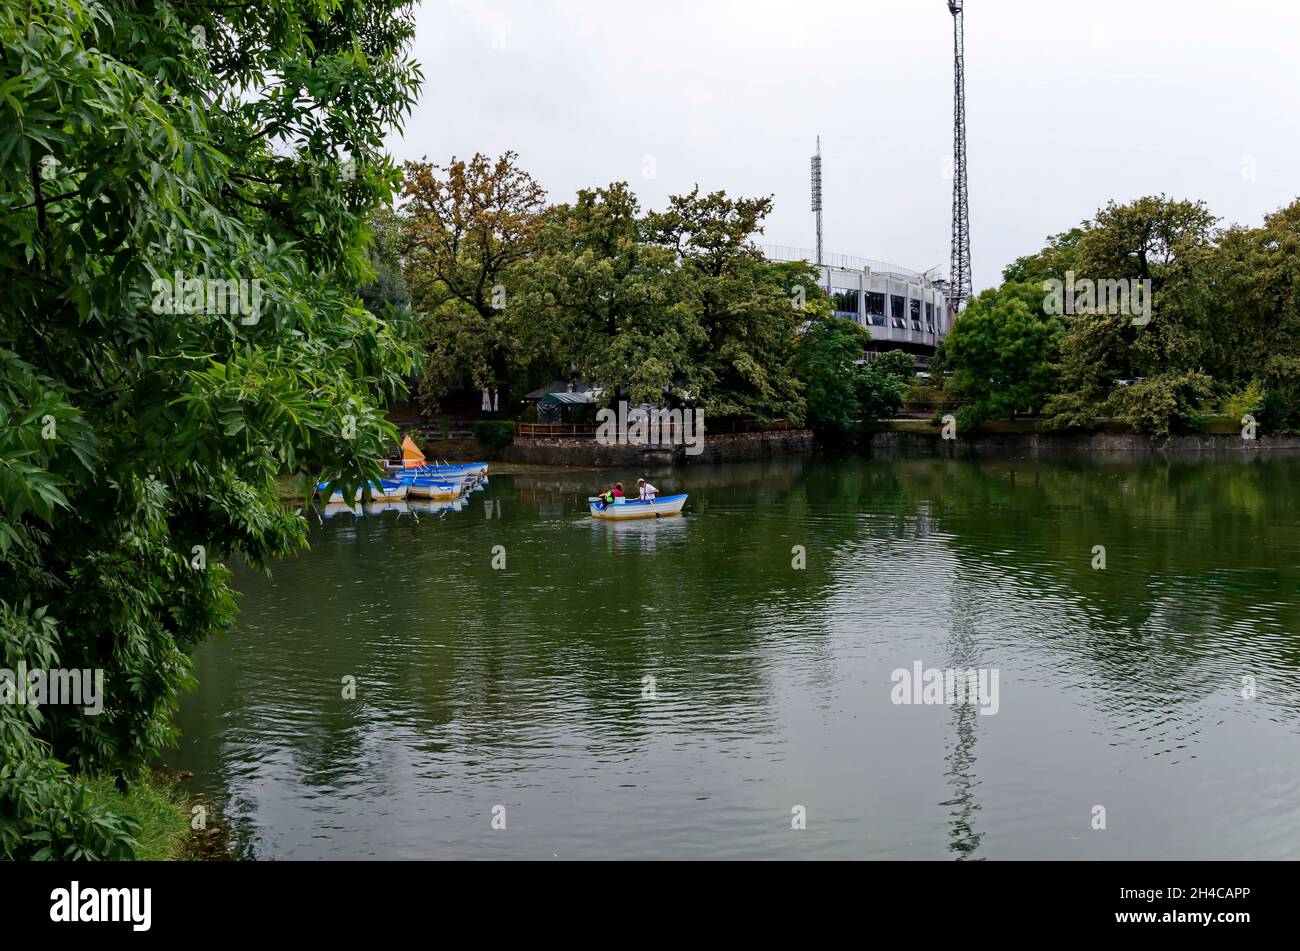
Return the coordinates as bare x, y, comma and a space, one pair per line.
1069, 105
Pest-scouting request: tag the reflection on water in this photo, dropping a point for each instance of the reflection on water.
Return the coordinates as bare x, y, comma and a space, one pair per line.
640, 535
524, 685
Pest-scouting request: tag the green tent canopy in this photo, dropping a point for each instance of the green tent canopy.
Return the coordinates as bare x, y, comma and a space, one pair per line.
567, 399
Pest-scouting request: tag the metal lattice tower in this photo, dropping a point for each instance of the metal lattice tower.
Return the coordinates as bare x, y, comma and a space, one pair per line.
959, 275
817, 195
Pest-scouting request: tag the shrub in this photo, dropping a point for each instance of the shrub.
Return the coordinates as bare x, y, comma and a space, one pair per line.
1248, 399
1164, 404
1281, 408
494, 434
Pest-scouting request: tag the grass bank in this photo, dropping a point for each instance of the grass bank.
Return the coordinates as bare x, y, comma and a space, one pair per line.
165, 811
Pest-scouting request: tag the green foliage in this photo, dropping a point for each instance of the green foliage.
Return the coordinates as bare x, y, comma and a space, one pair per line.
387, 293
841, 394
1247, 400
466, 226
160, 810
494, 434
1281, 410
922, 390
741, 302
600, 298
1059, 256
1001, 353
1165, 404
882, 384
675, 306
1169, 243
939, 364
139, 449
1255, 333
827, 364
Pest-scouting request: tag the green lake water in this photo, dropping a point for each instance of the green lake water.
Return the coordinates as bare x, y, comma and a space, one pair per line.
1162, 688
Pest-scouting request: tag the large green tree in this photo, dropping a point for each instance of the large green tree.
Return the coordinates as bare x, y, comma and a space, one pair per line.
1256, 330
599, 300
1001, 353
741, 301
1170, 244
468, 223
148, 155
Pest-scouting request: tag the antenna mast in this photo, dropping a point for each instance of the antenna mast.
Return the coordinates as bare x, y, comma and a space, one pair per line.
959, 274
817, 195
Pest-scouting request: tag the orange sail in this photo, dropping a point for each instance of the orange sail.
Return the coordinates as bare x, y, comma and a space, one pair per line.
412, 458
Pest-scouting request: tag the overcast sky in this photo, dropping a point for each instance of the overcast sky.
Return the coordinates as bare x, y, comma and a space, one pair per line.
1069, 105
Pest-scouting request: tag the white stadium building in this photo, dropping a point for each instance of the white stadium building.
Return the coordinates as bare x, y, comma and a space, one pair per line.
903, 309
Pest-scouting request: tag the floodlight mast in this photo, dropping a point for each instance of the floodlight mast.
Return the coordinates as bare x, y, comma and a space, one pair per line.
817, 195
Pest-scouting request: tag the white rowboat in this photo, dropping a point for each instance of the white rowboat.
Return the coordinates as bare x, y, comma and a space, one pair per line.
619, 511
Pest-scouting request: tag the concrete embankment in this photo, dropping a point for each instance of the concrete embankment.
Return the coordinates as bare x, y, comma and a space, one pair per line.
1034, 443
729, 447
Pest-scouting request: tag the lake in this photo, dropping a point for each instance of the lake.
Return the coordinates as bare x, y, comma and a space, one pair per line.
532, 683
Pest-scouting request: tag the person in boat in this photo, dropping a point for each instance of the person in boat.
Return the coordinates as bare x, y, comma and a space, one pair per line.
645, 491
606, 498
618, 492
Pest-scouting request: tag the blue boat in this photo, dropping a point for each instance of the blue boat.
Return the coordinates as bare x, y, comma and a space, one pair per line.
384, 490
432, 487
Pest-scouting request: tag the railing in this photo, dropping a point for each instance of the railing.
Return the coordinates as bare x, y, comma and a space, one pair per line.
781, 252
554, 429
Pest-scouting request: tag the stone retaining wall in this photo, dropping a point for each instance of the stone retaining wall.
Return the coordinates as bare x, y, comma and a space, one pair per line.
572, 451
1034, 443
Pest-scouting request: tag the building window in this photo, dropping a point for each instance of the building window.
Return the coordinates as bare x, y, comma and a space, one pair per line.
916, 314
875, 308
929, 316
844, 300
897, 307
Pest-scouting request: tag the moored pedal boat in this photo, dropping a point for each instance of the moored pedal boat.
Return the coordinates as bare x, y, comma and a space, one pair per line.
428, 487
618, 511
386, 490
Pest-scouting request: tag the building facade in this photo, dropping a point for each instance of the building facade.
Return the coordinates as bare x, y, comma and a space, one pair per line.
903, 309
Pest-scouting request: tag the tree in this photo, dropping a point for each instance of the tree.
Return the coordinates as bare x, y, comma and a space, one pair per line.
388, 289
1001, 353
882, 384
1059, 256
468, 224
597, 296
670, 306
1170, 244
827, 365
182, 200
1256, 333
739, 300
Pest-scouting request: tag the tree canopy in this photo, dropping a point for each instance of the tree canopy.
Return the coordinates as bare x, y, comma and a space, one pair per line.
184, 191
676, 305
1220, 334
